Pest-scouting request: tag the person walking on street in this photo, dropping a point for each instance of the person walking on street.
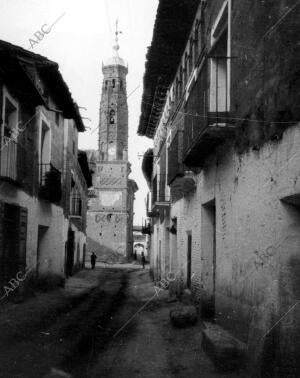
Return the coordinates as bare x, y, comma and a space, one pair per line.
143, 260
93, 260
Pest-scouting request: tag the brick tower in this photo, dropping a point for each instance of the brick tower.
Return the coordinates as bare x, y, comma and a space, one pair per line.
110, 214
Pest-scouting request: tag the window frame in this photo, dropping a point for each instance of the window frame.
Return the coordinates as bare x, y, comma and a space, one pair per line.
46, 121
215, 36
15, 103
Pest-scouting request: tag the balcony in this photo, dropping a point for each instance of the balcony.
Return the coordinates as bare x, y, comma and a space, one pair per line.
50, 183
159, 198
12, 161
207, 119
175, 165
78, 171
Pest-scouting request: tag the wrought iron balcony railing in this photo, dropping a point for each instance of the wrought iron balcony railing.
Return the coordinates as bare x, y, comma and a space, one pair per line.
50, 183
207, 120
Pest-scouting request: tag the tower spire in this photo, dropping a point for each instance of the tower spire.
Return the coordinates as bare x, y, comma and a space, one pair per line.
116, 47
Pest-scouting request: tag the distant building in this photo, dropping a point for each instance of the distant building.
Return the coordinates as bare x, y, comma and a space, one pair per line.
43, 189
110, 214
221, 102
140, 241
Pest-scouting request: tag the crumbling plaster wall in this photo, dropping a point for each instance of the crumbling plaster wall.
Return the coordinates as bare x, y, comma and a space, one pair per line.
257, 238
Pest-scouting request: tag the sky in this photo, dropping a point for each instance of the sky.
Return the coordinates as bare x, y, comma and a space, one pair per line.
80, 39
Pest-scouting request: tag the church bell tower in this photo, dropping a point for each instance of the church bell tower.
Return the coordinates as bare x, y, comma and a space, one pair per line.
113, 127
110, 214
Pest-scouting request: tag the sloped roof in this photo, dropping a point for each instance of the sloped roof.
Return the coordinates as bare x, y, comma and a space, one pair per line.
173, 22
17, 59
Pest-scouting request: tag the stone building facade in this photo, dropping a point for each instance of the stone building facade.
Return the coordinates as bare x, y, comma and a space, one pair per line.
226, 217
38, 156
110, 214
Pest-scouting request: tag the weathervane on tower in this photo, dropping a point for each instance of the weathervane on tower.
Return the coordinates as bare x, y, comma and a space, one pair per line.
117, 32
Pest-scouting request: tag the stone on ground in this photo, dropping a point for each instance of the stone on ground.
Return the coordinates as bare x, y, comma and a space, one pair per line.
187, 297
184, 316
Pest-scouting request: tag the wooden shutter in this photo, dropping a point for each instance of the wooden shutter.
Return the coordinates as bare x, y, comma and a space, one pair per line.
22, 237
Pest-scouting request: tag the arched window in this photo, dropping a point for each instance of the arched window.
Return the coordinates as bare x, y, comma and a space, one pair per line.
106, 83
113, 83
121, 84
112, 116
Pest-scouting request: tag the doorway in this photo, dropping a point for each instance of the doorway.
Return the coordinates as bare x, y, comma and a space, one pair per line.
70, 253
41, 253
208, 257
9, 256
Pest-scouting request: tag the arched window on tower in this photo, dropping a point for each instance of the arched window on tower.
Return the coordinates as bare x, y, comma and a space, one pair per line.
113, 83
112, 116
106, 84
121, 84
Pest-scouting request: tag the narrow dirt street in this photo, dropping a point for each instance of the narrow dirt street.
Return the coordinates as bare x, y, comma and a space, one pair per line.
58, 329
145, 344
107, 323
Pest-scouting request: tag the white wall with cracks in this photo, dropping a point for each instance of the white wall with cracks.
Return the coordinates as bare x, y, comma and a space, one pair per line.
257, 235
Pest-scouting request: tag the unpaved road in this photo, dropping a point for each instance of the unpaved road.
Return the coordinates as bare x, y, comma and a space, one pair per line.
120, 329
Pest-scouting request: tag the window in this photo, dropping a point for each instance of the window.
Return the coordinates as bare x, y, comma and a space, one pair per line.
44, 145
76, 202
9, 128
106, 84
9, 116
113, 83
9, 133
112, 116
121, 84
220, 63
